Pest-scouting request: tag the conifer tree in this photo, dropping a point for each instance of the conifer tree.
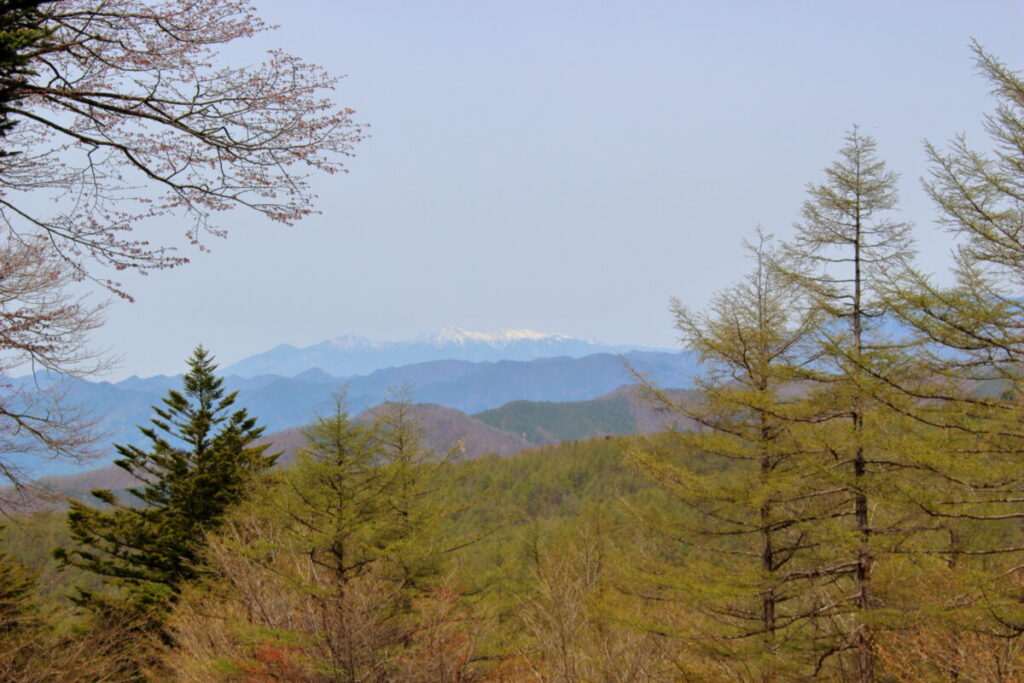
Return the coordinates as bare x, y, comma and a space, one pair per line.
341, 496
971, 345
197, 466
756, 494
371, 491
17, 596
20, 29
844, 245
339, 554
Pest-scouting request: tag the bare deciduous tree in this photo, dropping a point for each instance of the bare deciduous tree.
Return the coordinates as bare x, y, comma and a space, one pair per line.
41, 327
112, 115
124, 116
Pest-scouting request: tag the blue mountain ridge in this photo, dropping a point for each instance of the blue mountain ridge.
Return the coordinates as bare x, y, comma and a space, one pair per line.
351, 355
285, 402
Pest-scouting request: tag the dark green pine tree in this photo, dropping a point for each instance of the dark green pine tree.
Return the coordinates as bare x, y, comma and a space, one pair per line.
197, 466
21, 31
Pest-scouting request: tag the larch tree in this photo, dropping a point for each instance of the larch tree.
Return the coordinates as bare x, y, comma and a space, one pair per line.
756, 494
20, 622
335, 564
17, 594
841, 252
971, 343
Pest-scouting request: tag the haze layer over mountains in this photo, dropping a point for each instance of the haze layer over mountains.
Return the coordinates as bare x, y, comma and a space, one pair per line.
463, 372
350, 354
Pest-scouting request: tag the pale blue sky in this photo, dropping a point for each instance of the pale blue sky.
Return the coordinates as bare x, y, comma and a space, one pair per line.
565, 166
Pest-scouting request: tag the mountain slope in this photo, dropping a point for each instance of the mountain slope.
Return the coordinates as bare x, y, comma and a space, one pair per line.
444, 429
354, 355
621, 412
474, 387
284, 402
447, 429
514, 427
548, 423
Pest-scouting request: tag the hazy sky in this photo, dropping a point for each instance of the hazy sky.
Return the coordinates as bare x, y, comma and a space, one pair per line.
565, 166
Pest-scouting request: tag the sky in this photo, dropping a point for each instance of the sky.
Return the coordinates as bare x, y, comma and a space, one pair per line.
565, 166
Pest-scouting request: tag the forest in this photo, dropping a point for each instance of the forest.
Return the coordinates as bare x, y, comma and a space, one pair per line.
840, 496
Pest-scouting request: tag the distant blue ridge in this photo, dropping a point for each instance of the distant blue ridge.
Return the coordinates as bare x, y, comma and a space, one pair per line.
282, 402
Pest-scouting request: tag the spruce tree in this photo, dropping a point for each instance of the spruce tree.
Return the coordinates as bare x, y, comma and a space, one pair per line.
21, 30
197, 466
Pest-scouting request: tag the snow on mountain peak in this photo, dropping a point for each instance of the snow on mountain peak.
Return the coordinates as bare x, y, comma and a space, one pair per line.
457, 335
515, 335
449, 336
350, 354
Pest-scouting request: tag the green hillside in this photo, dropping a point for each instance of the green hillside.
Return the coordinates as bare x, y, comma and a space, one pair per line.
545, 422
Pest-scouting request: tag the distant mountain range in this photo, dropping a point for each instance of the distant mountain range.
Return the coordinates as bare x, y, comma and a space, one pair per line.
471, 387
510, 429
355, 355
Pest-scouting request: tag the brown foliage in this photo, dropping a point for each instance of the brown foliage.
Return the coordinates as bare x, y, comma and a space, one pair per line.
35, 652
570, 619
272, 612
932, 653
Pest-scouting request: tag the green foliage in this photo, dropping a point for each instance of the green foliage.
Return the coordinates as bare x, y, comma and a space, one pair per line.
21, 29
843, 254
971, 346
848, 507
756, 496
366, 497
546, 482
38, 639
549, 423
198, 465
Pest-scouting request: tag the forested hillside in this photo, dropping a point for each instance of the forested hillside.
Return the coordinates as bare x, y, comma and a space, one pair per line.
504, 523
510, 429
624, 411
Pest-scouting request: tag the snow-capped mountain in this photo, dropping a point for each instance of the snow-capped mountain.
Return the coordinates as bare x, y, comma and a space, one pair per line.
459, 336
357, 355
